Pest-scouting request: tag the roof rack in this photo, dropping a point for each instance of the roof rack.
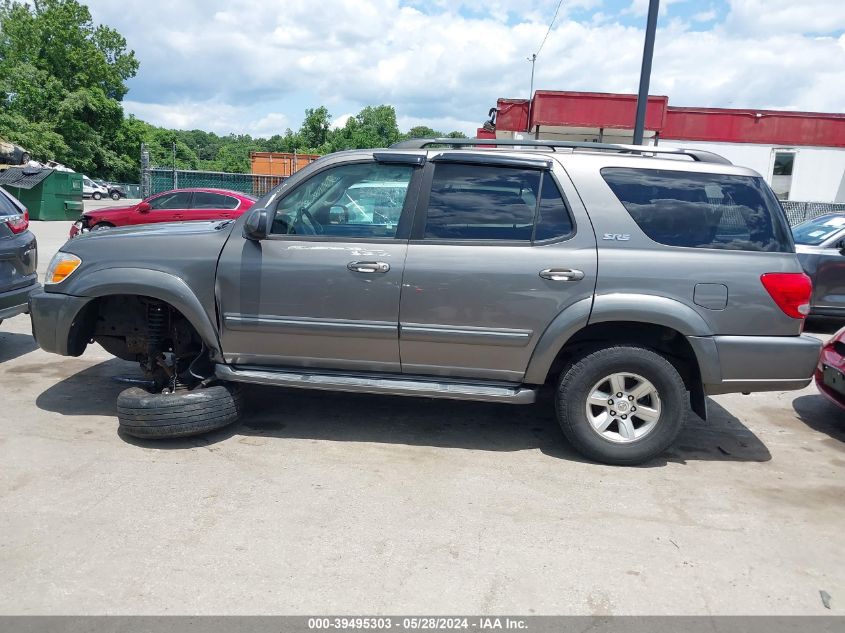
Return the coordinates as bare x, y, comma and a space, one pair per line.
698, 155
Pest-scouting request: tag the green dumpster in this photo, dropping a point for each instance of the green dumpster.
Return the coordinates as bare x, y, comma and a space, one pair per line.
49, 194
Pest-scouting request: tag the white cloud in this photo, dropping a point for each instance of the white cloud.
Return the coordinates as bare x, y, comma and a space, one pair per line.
227, 65
705, 16
787, 16
340, 121
639, 8
211, 116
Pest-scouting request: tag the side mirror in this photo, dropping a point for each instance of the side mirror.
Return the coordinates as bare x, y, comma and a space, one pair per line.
144, 207
257, 224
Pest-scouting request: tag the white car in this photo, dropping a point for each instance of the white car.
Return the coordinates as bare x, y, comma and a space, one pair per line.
91, 189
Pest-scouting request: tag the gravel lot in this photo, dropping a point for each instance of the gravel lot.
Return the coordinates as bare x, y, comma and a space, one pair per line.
320, 503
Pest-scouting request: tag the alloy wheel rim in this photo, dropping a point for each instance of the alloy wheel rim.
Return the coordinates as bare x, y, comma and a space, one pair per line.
623, 407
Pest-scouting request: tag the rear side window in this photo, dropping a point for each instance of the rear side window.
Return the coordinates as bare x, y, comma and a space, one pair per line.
477, 202
696, 210
7, 207
209, 200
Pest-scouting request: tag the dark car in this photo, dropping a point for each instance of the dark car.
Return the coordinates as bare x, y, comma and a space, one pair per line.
18, 257
820, 244
116, 192
179, 205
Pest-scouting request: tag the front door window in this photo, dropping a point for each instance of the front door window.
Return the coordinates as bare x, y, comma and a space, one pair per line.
361, 200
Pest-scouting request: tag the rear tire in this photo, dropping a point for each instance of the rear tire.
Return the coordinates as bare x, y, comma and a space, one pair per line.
114, 195
590, 413
181, 414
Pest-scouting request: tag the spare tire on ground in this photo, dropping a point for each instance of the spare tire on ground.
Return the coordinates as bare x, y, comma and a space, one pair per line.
164, 415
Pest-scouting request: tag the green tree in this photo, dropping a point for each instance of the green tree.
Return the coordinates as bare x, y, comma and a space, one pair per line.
315, 128
63, 76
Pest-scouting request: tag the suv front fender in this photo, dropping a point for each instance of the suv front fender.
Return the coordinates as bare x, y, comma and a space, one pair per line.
149, 283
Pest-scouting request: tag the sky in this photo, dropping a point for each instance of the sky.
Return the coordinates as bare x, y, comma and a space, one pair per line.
254, 66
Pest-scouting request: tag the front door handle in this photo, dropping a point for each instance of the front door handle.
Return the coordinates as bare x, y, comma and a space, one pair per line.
368, 267
562, 274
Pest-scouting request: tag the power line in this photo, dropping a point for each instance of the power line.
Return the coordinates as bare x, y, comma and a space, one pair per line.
533, 58
551, 24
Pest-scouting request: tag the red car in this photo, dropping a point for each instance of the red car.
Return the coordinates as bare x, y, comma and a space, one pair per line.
180, 205
830, 372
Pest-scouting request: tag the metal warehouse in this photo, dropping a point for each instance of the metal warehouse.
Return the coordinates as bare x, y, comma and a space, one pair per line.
801, 154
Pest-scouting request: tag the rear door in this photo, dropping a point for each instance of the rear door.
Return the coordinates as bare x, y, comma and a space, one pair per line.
500, 247
209, 205
322, 290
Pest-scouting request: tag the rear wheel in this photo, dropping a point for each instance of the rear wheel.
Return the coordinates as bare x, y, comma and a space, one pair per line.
621, 405
114, 195
180, 414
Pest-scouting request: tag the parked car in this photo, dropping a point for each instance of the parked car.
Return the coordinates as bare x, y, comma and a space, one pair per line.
830, 373
115, 192
91, 189
631, 285
179, 205
18, 257
820, 244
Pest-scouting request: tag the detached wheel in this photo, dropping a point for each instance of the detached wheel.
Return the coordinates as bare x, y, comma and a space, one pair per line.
621, 405
165, 415
96, 195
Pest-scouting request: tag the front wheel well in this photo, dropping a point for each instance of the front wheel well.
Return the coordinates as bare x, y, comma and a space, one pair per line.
135, 328
668, 342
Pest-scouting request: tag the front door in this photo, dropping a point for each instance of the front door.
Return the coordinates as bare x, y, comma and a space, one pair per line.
497, 252
323, 289
171, 206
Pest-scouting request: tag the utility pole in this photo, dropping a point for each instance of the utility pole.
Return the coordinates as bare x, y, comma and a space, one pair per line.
175, 176
533, 60
645, 71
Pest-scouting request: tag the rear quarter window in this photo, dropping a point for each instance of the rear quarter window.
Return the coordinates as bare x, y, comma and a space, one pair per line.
679, 208
7, 207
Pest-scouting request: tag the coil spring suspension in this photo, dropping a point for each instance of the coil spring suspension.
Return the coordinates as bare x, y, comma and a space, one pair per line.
156, 330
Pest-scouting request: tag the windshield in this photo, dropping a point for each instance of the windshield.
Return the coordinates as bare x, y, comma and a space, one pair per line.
814, 232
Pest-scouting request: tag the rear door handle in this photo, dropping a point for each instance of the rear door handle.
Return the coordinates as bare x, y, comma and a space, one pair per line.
368, 267
562, 274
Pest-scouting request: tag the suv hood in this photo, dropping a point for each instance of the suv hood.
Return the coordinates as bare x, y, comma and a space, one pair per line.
158, 230
188, 250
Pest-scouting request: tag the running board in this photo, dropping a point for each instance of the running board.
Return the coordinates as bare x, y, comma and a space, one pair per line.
380, 384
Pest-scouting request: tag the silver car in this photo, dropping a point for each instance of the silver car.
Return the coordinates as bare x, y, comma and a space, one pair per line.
820, 244
631, 283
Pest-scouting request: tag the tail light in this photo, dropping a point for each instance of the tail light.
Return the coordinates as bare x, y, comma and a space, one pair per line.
18, 223
791, 291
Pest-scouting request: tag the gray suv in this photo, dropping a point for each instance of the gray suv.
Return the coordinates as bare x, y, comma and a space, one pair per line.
632, 282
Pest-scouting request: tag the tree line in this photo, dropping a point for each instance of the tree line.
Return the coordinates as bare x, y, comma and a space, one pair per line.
62, 81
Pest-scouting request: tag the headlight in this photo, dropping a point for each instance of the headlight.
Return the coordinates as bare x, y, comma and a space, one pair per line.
61, 267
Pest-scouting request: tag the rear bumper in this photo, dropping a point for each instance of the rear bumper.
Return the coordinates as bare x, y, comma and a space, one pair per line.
732, 364
53, 317
15, 302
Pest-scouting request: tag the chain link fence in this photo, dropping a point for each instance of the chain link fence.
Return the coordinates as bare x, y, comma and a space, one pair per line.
798, 212
252, 184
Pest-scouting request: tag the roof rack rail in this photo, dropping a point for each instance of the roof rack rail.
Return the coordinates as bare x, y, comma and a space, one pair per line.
698, 155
